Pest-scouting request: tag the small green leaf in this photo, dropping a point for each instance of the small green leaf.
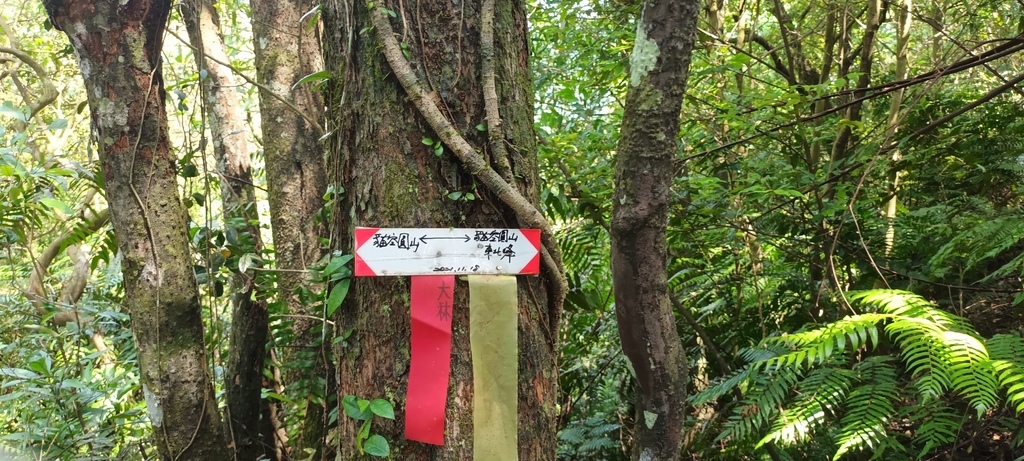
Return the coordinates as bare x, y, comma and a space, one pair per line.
314, 77
455, 195
58, 124
377, 446
438, 149
275, 396
337, 295
246, 261
382, 408
351, 405
427, 142
481, 127
56, 205
336, 264
470, 196
189, 171
8, 109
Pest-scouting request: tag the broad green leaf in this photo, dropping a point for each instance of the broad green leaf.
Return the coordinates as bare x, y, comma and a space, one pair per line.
335, 264
20, 373
382, 408
338, 293
377, 446
56, 205
58, 124
351, 405
8, 109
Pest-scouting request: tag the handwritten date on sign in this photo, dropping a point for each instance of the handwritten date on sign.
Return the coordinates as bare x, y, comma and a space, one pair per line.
422, 251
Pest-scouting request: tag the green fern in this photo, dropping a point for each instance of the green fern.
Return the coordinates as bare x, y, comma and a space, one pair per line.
820, 396
978, 243
797, 385
815, 347
870, 406
764, 398
937, 425
1007, 355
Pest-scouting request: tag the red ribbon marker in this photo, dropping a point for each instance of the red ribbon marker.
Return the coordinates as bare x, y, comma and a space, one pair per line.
431, 357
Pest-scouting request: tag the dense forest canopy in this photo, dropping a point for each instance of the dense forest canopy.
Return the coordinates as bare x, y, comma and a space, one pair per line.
830, 264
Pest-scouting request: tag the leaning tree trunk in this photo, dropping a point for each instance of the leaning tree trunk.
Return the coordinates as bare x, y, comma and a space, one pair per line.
118, 47
243, 382
392, 179
643, 183
287, 49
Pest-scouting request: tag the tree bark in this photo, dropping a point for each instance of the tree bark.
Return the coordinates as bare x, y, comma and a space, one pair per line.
118, 46
393, 180
659, 67
243, 381
287, 49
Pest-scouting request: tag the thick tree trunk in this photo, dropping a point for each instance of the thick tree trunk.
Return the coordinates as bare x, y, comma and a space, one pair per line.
287, 49
243, 381
392, 179
644, 174
118, 46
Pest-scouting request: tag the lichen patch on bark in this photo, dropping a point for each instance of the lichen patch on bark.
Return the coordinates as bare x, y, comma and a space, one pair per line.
645, 55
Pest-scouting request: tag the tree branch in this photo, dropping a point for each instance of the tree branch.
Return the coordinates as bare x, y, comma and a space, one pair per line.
526, 213
319, 129
50, 92
494, 131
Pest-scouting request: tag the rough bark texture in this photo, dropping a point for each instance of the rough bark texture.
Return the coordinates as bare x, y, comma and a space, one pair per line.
287, 49
243, 381
643, 182
393, 180
118, 46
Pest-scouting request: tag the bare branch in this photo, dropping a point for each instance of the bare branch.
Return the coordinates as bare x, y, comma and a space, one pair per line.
50, 92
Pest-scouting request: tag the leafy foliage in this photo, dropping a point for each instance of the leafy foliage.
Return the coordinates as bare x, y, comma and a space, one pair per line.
830, 386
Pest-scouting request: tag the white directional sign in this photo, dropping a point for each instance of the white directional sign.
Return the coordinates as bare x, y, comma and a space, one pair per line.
425, 251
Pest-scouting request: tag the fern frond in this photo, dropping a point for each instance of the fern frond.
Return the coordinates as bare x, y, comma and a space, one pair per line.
971, 372
818, 346
870, 406
721, 387
1007, 354
761, 402
980, 242
937, 425
819, 397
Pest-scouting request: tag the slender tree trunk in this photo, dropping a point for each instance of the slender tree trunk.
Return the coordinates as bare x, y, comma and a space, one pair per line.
118, 46
643, 181
392, 179
244, 378
288, 49
903, 20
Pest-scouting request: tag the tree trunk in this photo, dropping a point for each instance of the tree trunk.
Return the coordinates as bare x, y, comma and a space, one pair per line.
903, 20
118, 46
643, 182
287, 50
392, 179
243, 381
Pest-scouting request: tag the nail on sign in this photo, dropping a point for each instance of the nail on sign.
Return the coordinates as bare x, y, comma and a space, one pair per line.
430, 251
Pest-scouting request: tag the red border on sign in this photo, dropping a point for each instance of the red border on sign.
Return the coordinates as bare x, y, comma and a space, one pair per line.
532, 267
363, 234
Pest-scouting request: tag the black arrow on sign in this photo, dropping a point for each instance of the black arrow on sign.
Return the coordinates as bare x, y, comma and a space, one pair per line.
464, 238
